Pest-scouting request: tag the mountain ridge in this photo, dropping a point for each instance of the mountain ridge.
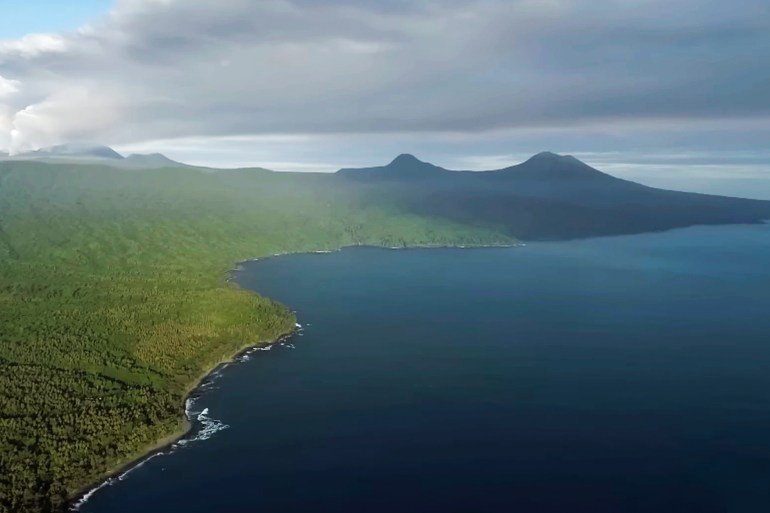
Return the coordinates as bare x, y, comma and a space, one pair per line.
543, 163
94, 154
74, 151
554, 165
547, 196
550, 196
404, 165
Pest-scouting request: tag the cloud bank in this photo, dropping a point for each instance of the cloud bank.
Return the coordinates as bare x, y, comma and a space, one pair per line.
160, 69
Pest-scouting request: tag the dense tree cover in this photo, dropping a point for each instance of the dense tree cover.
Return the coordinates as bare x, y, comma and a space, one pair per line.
114, 300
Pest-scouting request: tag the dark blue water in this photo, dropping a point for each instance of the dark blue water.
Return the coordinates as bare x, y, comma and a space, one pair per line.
627, 374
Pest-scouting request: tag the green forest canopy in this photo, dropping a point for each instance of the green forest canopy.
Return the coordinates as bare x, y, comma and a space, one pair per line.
114, 299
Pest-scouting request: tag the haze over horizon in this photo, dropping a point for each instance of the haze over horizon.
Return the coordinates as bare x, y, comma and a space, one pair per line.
367, 246
668, 95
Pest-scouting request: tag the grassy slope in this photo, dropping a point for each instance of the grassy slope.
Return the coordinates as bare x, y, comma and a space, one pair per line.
113, 300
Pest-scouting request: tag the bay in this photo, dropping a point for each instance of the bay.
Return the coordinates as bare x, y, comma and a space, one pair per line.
614, 374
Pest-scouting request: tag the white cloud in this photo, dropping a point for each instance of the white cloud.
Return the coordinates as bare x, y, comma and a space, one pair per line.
8, 87
78, 112
33, 45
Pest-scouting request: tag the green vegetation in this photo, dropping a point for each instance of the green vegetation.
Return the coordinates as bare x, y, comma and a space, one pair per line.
114, 300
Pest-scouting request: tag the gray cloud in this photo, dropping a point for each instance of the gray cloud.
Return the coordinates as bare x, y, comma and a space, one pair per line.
157, 69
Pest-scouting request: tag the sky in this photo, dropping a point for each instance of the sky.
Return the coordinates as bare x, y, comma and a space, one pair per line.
22, 17
672, 94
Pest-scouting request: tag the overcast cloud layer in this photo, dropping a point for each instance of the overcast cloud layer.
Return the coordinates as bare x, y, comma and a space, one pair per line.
165, 69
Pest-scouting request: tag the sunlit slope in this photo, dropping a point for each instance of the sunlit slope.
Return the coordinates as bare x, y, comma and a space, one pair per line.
113, 291
114, 300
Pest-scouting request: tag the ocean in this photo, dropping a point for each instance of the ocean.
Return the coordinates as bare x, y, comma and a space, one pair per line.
619, 374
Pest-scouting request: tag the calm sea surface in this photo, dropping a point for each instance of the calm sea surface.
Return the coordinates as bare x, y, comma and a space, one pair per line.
624, 374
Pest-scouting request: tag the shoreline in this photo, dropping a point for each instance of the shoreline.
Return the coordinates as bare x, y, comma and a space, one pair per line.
239, 266
165, 444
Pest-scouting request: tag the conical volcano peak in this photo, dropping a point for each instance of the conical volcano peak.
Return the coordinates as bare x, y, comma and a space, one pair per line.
406, 159
403, 167
549, 156
546, 155
407, 165
549, 165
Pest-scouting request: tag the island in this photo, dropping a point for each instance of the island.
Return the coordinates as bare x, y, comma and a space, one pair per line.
114, 291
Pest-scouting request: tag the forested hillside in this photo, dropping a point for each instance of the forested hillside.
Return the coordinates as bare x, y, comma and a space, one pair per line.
114, 300
113, 291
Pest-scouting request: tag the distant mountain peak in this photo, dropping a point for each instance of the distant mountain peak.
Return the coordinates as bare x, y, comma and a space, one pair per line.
407, 163
545, 155
549, 156
545, 166
403, 167
79, 153
405, 159
149, 156
76, 150
552, 166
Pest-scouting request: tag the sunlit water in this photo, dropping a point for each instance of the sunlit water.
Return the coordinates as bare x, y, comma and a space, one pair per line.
625, 374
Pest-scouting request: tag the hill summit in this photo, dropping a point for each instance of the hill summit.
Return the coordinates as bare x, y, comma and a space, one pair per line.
75, 150
94, 154
550, 196
404, 166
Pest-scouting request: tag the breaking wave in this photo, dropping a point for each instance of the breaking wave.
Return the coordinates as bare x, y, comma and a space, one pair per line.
205, 425
88, 495
208, 427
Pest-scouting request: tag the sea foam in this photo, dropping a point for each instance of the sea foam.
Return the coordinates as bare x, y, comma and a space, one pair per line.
208, 426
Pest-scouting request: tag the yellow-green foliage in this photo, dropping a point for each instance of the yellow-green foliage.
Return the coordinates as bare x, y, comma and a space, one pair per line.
114, 300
